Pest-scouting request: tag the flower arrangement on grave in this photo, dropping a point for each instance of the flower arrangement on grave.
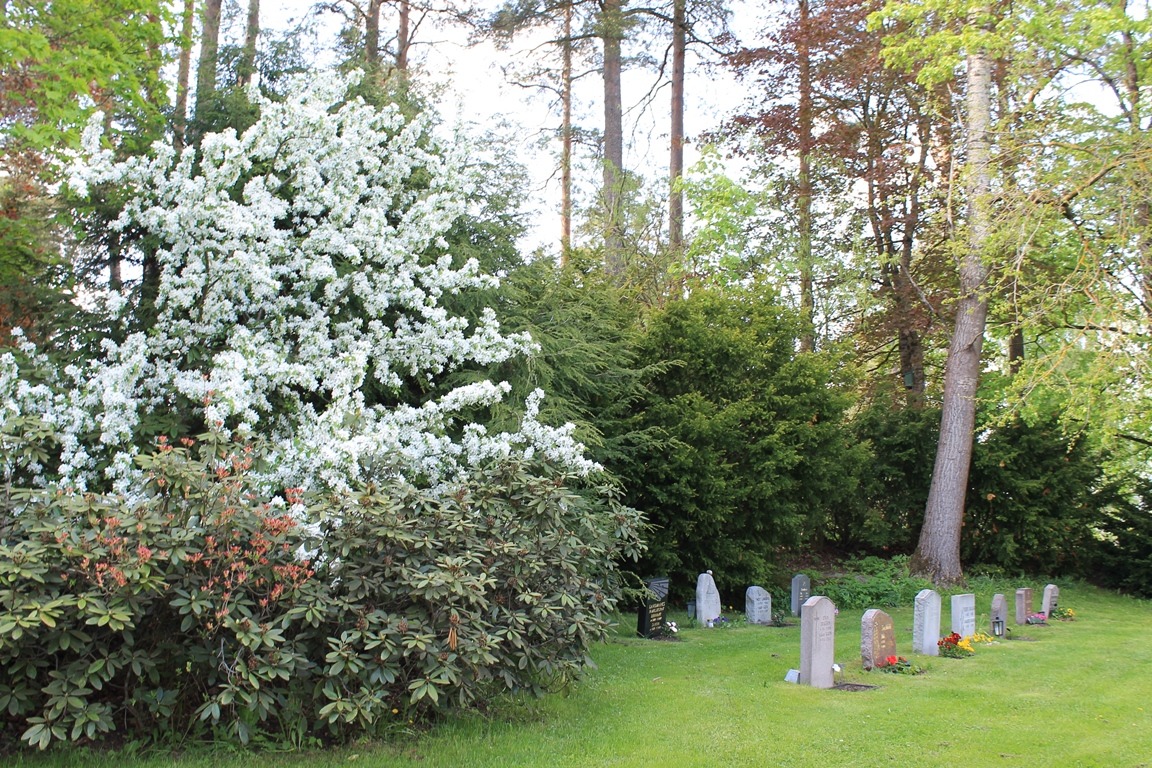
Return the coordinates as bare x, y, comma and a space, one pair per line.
669, 629
980, 637
898, 665
723, 622
1062, 614
779, 619
955, 647
1037, 618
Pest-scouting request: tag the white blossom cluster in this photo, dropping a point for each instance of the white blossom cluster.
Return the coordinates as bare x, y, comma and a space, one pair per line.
291, 277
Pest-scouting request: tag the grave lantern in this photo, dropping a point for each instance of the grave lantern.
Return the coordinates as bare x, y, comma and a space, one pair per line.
998, 628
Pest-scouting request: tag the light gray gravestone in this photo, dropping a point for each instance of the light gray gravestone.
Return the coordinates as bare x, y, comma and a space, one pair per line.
757, 606
1023, 605
999, 613
817, 642
707, 599
877, 638
1051, 599
926, 623
801, 591
964, 615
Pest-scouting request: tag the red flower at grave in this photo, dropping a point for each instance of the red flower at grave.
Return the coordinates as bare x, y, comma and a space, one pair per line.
890, 661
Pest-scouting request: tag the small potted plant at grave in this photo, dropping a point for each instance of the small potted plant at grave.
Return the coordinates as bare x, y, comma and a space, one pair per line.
1062, 614
1037, 618
898, 665
955, 647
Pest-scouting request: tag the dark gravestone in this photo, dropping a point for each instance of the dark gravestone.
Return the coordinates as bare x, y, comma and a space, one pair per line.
650, 619
801, 591
1023, 604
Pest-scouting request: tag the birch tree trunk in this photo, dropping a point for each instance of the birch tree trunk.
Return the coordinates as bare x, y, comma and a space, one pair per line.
937, 554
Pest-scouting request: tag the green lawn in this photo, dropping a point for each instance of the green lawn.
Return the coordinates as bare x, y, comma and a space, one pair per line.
1081, 694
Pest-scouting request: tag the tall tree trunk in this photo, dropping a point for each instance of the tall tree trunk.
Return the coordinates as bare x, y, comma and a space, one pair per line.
566, 152
676, 161
247, 66
183, 74
372, 36
804, 185
209, 50
937, 555
1015, 349
403, 37
612, 23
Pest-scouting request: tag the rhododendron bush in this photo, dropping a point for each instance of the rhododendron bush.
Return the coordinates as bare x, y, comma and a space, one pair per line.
291, 275
192, 612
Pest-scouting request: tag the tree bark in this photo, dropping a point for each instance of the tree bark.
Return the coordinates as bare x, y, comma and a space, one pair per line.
247, 66
676, 161
209, 50
183, 75
403, 37
372, 36
612, 31
804, 184
566, 135
937, 554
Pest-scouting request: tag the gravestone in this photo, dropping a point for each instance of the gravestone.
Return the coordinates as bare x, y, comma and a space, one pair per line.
926, 623
757, 606
877, 638
817, 642
964, 615
999, 613
1023, 605
1051, 598
801, 591
650, 619
707, 599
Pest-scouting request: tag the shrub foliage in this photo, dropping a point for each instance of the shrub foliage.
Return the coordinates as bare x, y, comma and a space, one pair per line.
201, 605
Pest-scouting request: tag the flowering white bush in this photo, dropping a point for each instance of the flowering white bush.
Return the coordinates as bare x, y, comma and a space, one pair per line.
291, 276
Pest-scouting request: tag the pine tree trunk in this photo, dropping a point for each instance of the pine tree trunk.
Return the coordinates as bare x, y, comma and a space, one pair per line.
403, 38
566, 153
247, 66
937, 555
372, 36
676, 161
209, 49
612, 30
804, 186
183, 75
